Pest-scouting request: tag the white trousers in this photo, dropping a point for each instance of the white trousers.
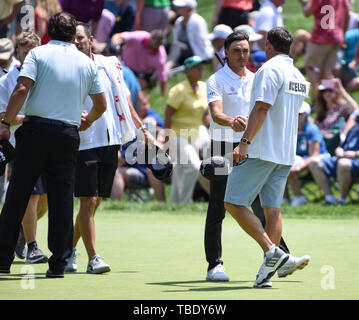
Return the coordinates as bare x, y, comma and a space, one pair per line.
186, 170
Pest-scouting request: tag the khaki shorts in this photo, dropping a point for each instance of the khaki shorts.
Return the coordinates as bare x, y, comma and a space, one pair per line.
323, 57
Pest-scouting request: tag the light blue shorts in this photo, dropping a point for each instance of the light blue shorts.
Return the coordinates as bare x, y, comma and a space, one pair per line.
253, 177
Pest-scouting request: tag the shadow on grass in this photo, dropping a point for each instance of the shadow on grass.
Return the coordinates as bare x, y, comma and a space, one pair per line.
193, 286
35, 276
21, 276
196, 285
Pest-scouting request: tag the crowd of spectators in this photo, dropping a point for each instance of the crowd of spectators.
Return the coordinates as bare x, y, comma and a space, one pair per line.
153, 39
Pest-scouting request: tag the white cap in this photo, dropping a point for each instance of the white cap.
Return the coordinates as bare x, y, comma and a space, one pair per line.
245, 28
185, 3
6, 48
305, 108
221, 31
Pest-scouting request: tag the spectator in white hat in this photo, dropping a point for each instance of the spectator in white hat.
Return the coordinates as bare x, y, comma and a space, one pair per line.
219, 34
7, 60
257, 57
190, 35
247, 29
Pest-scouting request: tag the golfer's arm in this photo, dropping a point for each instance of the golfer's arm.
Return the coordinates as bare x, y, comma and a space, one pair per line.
99, 106
256, 119
17, 120
216, 109
17, 98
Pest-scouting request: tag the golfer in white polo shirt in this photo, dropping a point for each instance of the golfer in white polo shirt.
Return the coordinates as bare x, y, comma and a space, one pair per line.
269, 142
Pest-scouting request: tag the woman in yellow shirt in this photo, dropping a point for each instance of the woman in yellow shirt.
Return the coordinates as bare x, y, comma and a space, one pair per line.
186, 112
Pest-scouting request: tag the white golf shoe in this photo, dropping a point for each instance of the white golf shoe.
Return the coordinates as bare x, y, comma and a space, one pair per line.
97, 265
292, 265
218, 273
272, 262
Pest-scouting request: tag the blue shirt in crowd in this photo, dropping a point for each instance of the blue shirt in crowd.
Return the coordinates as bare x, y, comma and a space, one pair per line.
153, 114
131, 82
351, 41
125, 16
310, 132
351, 141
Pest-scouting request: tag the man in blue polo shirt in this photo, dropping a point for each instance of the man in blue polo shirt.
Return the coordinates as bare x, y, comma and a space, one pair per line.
56, 78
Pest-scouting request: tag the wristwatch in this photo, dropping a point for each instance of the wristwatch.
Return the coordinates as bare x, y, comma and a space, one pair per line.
5, 123
245, 141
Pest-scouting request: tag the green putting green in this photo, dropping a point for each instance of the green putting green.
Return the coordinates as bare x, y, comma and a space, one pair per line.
160, 256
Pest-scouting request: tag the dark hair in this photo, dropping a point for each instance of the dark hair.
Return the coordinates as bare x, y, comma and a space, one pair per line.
235, 36
62, 27
86, 28
281, 39
157, 36
322, 107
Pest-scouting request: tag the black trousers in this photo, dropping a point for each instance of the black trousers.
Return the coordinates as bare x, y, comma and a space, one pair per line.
216, 211
233, 17
48, 149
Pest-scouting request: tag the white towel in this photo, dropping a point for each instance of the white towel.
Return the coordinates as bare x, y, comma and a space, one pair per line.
114, 71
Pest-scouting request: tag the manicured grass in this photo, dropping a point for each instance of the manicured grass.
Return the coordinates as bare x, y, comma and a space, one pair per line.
159, 256
156, 249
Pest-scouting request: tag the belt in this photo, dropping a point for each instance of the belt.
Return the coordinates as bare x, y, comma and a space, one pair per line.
52, 122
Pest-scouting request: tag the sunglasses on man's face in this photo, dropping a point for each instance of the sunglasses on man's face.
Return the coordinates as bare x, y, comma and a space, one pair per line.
328, 90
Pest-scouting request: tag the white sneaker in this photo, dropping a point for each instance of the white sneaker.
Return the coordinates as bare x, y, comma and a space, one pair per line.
265, 284
270, 265
292, 265
298, 201
96, 265
71, 264
218, 273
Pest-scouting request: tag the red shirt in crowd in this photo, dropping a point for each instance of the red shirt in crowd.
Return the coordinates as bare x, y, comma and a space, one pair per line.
329, 18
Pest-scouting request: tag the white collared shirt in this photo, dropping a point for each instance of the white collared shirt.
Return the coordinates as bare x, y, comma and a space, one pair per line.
7, 85
278, 83
14, 63
269, 16
105, 130
234, 92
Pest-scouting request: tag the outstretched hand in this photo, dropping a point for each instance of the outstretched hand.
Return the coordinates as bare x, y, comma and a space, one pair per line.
239, 123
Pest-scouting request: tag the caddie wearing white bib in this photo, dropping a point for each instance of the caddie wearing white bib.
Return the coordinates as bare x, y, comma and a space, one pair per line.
269, 142
97, 159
